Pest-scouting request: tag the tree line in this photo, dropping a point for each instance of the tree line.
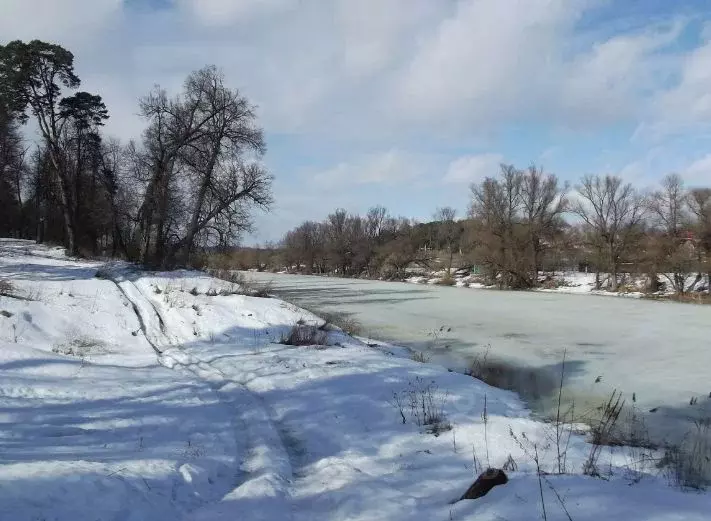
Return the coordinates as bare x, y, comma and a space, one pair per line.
522, 223
190, 182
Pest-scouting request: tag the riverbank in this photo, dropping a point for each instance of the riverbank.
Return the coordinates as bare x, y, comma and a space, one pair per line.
171, 395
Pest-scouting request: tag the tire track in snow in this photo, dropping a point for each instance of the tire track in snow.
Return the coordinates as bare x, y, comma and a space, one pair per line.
266, 471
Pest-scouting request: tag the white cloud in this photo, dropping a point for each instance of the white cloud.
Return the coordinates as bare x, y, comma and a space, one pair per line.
609, 82
698, 173
485, 61
229, 12
65, 21
468, 169
686, 106
395, 75
373, 69
385, 168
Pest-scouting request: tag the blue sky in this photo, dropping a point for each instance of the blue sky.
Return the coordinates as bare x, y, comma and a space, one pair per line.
404, 103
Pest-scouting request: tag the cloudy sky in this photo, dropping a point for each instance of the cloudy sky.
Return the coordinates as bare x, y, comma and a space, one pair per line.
405, 102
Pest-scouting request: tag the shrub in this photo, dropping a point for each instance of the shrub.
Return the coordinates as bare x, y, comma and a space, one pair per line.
304, 335
348, 325
7, 288
447, 280
424, 402
79, 346
419, 356
261, 290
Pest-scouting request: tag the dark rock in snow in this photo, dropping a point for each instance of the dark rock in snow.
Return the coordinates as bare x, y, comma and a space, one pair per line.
485, 482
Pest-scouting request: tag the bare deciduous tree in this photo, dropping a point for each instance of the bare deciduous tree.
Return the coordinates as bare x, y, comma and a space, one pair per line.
672, 247
196, 144
447, 232
544, 202
699, 201
613, 213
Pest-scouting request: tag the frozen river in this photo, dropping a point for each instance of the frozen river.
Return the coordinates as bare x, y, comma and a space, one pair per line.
659, 351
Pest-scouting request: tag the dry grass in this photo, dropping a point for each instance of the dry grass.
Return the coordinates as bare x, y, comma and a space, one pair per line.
348, 325
419, 356
532, 384
602, 431
687, 298
79, 346
689, 464
246, 287
447, 280
7, 288
305, 335
424, 403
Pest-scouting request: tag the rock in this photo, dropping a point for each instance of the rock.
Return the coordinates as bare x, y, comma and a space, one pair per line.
485, 482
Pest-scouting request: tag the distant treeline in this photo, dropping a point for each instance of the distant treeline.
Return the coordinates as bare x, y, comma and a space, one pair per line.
520, 222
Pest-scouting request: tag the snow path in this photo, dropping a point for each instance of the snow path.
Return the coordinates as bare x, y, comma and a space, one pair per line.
266, 471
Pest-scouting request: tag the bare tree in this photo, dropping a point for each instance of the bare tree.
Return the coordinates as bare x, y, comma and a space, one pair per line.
672, 246
498, 231
201, 184
544, 202
699, 201
447, 231
229, 131
614, 214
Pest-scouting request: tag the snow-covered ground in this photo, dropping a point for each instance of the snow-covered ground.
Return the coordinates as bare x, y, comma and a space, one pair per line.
163, 396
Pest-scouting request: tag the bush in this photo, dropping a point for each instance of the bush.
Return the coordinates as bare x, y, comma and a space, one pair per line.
304, 335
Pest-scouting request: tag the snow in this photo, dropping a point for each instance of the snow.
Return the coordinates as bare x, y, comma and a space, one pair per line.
179, 403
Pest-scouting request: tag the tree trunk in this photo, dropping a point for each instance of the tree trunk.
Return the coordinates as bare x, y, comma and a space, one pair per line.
66, 202
613, 270
194, 221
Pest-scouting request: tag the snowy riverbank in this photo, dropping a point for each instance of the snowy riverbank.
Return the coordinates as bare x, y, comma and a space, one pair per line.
169, 396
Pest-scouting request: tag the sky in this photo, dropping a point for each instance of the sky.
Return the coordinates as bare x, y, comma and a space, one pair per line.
405, 103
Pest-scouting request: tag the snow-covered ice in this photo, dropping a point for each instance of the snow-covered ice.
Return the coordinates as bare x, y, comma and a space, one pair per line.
145, 396
658, 351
